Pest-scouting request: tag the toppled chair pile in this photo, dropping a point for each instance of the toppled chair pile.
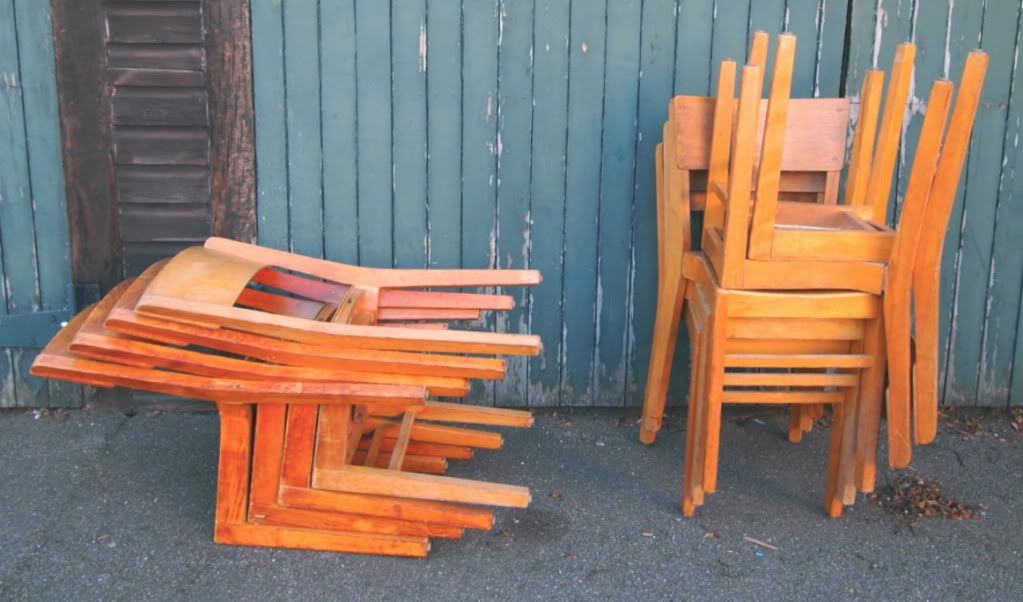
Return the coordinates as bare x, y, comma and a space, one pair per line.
323, 375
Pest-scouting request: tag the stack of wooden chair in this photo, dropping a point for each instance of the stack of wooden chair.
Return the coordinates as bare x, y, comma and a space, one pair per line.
800, 295
324, 376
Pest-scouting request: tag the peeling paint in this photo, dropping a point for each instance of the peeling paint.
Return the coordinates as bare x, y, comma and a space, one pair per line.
880, 22
422, 47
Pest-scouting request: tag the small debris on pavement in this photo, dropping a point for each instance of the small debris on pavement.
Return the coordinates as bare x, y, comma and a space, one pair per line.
911, 497
762, 544
556, 496
712, 535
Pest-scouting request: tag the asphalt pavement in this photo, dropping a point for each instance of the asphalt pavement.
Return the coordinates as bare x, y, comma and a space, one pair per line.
104, 506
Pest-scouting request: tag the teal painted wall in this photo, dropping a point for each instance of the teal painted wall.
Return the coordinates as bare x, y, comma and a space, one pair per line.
35, 271
520, 133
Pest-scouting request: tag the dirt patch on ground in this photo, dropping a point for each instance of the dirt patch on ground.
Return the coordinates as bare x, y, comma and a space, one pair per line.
912, 497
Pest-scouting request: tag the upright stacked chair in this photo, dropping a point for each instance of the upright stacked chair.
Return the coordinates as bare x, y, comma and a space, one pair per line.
329, 437
760, 332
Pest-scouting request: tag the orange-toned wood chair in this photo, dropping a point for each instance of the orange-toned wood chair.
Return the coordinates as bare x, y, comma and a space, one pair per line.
811, 165
771, 347
930, 193
793, 245
337, 469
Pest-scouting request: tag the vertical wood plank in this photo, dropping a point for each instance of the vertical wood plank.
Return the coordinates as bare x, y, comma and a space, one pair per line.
582, 193
29, 391
408, 59
46, 174
479, 145
983, 170
86, 137
1001, 368
929, 25
830, 53
693, 47
338, 123
801, 18
862, 17
692, 76
657, 60
730, 31
302, 112
444, 132
373, 91
769, 16
16, 223
547, 193
966, 20
229, 90
514, 137
617, 183
271, 132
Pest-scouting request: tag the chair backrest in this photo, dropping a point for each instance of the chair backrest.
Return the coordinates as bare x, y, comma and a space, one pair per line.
730, 180
815, 141
937, 168
816, 138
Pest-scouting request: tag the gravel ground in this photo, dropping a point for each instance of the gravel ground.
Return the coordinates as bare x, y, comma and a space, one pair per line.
106, 506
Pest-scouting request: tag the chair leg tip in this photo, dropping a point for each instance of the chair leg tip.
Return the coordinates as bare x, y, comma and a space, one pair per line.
647, 436
688, 509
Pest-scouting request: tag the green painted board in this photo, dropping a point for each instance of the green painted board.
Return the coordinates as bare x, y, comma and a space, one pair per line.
983, 173
302, 112
1001, 366
547, 194
408, 65
271, 131
16, 219
373, 93
769, 16
802, 17
42, 121
831, 48
514, 136
480, 31
657, 58
338, 123
730, 30
617, 187
966, 30
693, 46
444, 132
582, 195
692, 77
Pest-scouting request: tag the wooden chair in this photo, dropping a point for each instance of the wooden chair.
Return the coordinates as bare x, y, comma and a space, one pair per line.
772, 347
825, 247
929, 197
811, 165
342, 467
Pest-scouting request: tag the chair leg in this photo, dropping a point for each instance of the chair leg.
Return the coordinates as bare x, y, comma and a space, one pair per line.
869, 410
715, 372
925, 396
662, 354
796, 412
900, 411
847, 463
832, 490
692, 481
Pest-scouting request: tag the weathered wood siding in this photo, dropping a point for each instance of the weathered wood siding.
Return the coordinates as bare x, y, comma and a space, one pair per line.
983, 260
502, 134
35, 274
510, 133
